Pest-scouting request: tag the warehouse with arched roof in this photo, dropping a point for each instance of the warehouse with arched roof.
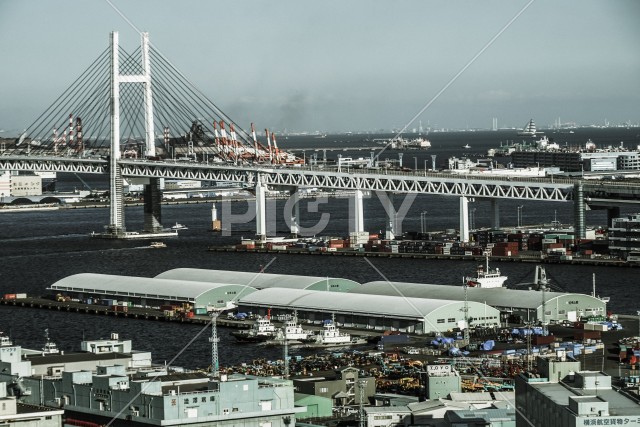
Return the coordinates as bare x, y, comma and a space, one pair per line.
260, 280
527, 305
146, 291
378, 312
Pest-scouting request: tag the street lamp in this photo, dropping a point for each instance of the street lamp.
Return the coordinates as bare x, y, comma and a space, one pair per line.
519, 214
425, 166
415, 163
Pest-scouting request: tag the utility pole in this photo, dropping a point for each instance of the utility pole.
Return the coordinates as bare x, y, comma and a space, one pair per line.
362, 422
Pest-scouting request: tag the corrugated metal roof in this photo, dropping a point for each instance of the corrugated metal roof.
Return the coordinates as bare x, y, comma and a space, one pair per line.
141, 286
413, 308
258, 280
495, 297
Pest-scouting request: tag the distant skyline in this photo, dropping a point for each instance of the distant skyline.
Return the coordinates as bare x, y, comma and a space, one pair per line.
336, 66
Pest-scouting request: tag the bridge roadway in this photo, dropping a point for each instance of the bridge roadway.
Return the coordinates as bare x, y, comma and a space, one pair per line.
546, 189
583, 193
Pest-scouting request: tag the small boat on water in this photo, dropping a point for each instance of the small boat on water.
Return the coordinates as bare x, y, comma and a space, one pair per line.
466, 146
157, 245
330, 336
262, 330
179, 226
485, 277
49, 346
5, 341
292, 332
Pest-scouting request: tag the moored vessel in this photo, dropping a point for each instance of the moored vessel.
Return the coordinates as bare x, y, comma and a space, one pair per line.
485, 277
262, 330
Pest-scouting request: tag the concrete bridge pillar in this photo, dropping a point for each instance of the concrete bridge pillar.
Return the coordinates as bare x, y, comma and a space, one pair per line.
495, 214
153, 206
261, 210
357, 210
464, 219
390, 233
294, 228
612, 212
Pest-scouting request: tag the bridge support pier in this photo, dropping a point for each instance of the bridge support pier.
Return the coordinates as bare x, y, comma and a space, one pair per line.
495, 214
153, 206
357, 210
390, 232
579, 207
261, 210
294, 228
612, 212
464, 219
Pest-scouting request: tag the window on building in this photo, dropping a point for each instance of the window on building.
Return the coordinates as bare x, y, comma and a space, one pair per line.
451, 320
323, 390
440, 321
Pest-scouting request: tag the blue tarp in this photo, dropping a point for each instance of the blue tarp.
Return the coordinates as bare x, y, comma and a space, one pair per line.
488, 345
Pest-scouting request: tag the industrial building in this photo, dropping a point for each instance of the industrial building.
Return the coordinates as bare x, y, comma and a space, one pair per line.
406, 307
259, 280
377, 312
119, 394
624, 236
146, 291
562, 395
515, 305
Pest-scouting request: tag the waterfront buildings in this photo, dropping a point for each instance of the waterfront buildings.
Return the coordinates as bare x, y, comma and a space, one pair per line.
562, 396
124, 390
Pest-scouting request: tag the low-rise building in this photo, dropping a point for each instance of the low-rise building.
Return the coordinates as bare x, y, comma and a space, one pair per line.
562, 396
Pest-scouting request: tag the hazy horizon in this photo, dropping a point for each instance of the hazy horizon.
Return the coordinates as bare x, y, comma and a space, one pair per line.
358, 66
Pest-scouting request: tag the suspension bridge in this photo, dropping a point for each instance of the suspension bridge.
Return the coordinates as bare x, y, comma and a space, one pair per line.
106, 122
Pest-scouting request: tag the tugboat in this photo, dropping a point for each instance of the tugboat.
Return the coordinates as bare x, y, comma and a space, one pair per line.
262, 330
5, 341
49, 347
485, 277
292, 332
332, 337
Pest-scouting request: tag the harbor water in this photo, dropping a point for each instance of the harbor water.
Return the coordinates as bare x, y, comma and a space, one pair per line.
39, 248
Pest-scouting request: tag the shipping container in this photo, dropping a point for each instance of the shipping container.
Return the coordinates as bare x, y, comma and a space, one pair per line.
21, 296
9, 296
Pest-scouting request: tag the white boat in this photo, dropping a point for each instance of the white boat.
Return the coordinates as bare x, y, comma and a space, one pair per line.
262, 330
293, 331
157, 245
529, 129
5, 341
329, 336
466, 146
485, 277
49, 347
179, 226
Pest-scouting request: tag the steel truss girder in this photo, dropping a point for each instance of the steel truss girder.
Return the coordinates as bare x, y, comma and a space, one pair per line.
53, 164
299, 177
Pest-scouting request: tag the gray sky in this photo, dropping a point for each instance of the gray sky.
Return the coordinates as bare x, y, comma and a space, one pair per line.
336, 65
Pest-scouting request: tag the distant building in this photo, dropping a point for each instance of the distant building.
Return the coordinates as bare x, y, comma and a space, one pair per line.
624, 235
342, 387
15, 184
561, 396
